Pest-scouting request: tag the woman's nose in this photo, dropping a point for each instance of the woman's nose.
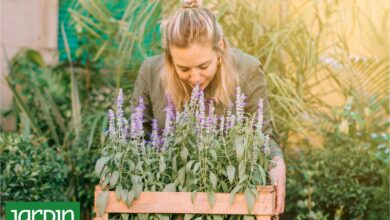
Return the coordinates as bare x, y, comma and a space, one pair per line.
196, 77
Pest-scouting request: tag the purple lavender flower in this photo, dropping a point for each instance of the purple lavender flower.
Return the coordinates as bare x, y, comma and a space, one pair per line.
230, 118
155, 139
111, 123
222, 125
179, 116
133, 125
229, 109
240, 104
211, 118
196, 91
200, 114
125, 128
260, 112
137, 130
170, 117
231, 122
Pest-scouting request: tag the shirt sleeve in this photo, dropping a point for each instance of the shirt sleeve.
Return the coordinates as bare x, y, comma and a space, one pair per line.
257, 89
142, 89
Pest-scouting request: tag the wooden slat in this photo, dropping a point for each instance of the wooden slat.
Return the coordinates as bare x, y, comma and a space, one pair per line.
180, 203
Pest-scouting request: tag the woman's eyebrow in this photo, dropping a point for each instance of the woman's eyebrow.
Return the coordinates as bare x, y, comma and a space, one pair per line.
207, 62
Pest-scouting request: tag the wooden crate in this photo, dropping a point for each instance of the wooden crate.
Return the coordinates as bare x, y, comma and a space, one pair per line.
180, 203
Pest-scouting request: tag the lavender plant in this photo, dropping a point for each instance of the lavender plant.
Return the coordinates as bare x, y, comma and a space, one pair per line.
224, 153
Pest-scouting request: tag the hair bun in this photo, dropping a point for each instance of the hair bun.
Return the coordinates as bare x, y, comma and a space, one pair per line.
191, 3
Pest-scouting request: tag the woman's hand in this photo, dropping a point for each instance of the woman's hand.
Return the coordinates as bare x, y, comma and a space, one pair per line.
278, 177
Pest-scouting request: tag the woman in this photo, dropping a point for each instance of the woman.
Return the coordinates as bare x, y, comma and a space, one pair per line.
196, 52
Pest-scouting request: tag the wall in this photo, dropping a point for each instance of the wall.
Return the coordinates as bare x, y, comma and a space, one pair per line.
25, 24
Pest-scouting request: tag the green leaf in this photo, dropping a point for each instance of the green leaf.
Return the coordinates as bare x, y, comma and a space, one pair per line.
182, 175
214, 180
125, 216
261, 139
22, 105
101, 202
139, 166
124, 195
135, 179
117, 159
118, 190
174, 163
102, 48
47, 114
184, 153
230, 173
243, 178
163, 216
196, 168
75, 99
114, 178
178, 140
143, 216
162, 164
217, 217
189, 165
193, 195
239, 146
225, 187
255, 193
188, 216
131, 166
233, 194
170, 188
263, 175
241, 169
211, 198
213, 154
106, 180
249, 217
250, 200
36, 58
130, 197
100, 164
138, 189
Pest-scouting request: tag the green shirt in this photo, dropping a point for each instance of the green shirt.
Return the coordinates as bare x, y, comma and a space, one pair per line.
251, 80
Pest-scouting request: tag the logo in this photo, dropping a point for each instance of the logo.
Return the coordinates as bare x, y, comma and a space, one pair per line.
42, 210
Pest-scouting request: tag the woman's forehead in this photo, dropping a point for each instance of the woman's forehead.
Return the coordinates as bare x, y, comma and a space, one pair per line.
192, 56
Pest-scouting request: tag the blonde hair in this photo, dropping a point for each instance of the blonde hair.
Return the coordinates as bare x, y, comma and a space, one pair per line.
190, 25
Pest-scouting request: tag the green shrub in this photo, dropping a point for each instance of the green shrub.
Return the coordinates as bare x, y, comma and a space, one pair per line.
30, 170
343, 180
348, 177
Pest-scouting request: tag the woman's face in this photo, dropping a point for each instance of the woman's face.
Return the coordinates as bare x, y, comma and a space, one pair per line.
196, 64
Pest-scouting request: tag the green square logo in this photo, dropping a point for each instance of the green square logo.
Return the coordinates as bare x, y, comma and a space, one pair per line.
42, 210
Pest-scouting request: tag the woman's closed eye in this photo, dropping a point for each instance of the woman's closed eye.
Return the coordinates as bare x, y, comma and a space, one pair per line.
187, 69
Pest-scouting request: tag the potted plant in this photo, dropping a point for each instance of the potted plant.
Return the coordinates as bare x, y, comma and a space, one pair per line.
200, 163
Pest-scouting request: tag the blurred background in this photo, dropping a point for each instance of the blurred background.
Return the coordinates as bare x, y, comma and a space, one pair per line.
328, 69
